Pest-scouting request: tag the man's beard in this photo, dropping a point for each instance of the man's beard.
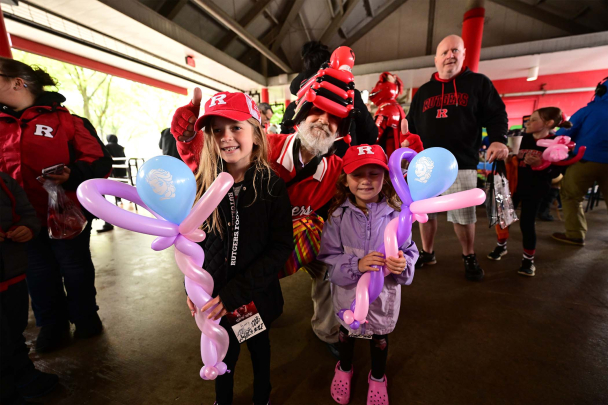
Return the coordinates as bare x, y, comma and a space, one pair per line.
315, 144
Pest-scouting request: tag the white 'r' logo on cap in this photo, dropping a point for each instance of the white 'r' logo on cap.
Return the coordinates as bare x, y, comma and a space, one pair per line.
217, 99
365, 150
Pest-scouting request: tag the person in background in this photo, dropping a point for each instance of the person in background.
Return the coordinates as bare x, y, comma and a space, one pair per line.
449, 112
590, 129
37, 133
116, 151
364, 130
18, 225
532, 185
266, 112
167, 144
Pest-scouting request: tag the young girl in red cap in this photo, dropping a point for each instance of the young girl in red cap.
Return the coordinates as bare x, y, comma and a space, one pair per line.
364, 204
249, 235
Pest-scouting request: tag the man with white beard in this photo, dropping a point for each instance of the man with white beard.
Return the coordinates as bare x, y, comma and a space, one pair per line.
305, 161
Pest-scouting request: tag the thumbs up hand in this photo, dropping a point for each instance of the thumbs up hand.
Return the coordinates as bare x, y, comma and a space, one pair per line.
182, 124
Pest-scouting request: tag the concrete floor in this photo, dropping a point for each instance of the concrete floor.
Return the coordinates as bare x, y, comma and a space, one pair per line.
506, 340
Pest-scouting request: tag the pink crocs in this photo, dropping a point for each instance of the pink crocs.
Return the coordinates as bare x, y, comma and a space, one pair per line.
340, 386
376, 393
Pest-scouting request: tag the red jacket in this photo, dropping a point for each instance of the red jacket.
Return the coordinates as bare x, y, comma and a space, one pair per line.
44, 135
306, 196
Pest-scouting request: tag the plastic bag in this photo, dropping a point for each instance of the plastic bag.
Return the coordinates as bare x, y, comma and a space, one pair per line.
65, 219
499, 205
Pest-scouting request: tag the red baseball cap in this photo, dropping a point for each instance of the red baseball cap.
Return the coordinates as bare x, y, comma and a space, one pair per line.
235, 106
361, 155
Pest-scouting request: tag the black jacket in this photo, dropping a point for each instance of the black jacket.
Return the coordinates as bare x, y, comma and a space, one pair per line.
15, 210
363, 131
167, 144
455, 121
533, 184
265, 243
118, 151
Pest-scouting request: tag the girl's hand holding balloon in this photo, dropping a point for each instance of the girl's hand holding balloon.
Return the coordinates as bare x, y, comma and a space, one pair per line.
532, 160
372, 259
396, 265
217, 312
191, 306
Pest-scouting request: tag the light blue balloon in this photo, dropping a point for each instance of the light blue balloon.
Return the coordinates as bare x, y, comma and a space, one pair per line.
168, 187
431, 172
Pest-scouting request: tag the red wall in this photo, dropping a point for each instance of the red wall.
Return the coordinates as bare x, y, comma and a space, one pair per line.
519, 106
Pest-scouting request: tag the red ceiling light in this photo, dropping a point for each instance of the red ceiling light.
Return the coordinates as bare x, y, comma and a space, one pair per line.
190, 61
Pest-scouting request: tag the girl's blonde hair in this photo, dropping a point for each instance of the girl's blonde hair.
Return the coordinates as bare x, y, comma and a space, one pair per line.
343, 192
211, 164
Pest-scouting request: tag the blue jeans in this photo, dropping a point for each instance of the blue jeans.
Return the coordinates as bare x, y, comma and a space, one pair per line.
57, 267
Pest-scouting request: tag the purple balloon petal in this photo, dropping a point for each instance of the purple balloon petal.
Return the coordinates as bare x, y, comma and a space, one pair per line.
341, 314
352, 305
355, 325
394, 165
375, 285
405, 225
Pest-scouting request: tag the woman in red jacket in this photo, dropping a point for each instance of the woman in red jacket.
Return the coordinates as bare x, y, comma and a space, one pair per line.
37, 132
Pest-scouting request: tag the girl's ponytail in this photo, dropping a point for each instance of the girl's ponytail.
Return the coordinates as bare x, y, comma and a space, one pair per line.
42, 77
555, 114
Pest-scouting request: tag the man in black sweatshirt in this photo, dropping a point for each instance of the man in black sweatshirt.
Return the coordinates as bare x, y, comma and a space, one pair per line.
450, 112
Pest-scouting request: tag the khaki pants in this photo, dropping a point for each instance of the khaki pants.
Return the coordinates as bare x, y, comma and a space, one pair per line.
324, 321
578, 179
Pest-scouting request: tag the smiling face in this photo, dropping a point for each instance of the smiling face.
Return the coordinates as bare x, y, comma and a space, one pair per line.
161, 182
449, 57
158, 186
420, 170
318, 131
234, 140
365, 183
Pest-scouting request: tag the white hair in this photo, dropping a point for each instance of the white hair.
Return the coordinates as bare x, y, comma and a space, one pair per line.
318, 145
166, 177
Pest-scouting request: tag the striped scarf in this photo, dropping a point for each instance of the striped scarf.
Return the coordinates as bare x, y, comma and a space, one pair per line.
307, 240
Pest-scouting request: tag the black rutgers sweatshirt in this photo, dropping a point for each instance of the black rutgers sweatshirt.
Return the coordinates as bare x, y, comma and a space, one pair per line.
451, 113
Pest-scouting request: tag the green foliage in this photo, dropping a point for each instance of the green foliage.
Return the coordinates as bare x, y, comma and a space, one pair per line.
135, 112
278, 111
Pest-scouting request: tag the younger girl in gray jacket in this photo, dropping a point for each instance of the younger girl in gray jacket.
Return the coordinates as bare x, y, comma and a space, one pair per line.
364, 204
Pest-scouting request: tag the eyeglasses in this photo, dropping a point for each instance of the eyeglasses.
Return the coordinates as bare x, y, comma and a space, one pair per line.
3, 75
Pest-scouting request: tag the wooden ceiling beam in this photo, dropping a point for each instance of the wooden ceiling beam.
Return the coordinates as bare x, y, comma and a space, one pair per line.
244, 22
338, 20
381, 16
542, 15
